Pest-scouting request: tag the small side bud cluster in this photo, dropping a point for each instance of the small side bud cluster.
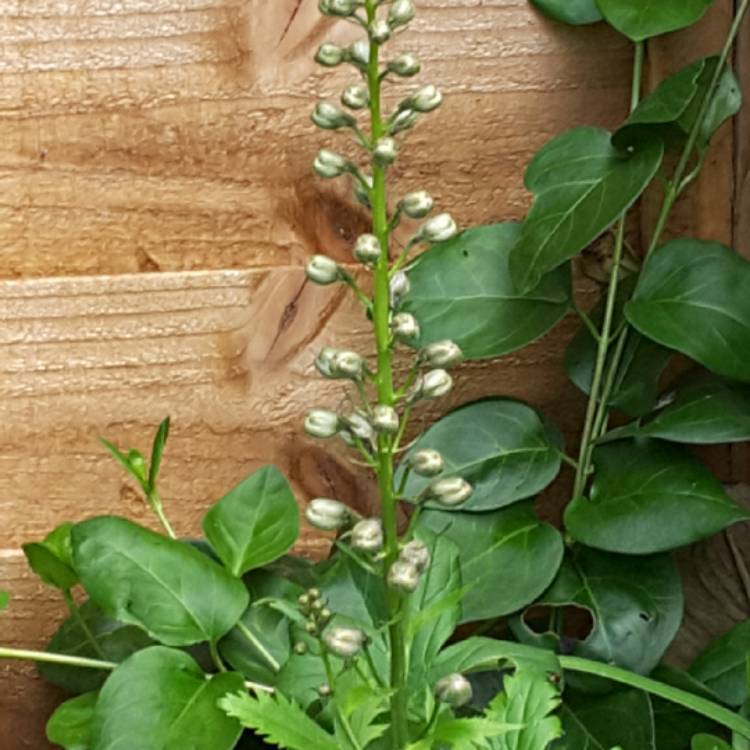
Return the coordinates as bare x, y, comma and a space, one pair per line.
454, 689
329, 515
313, 606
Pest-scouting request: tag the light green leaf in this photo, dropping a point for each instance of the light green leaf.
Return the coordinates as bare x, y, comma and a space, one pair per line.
692, 297
643, 19
462, 290
462, 733
573, 12
508, 539
255, 524
157, 451
70, 724
4, 599
649, 496
582, 185
722, 666
52, 559
133, 463
170, 589
707, 742
279, 721
502, 447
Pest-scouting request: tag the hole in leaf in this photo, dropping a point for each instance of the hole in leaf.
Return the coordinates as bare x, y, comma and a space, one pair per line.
569, 621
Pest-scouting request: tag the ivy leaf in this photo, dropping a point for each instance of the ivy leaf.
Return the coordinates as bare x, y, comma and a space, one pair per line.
170, 589
573, 12
70, 724
52, 559
279, 721
508, 539
462, 290
649, 496
582, 185
692, 297
642, 19
723, 665
527, 699
254, 524
160, 699
636, 604
501, 446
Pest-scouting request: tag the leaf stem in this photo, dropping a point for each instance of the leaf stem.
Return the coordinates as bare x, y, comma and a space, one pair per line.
75, 613
50, 658
156, 504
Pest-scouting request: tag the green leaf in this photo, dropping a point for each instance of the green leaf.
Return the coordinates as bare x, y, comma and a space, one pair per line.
279, 721
692, 297
527, 699
160, 440
462, 733
599, 722
643, 19
159, 699
4, 599
509, 539
672, 109
52, 559
255, 524
722, 666
636, 604
170, 589
707, 742
70, 724
133, 463
501, 446
649, 496
462, 290
573, 12
116, 641
582, 185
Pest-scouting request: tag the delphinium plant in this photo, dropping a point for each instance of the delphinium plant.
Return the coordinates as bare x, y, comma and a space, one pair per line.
230, 641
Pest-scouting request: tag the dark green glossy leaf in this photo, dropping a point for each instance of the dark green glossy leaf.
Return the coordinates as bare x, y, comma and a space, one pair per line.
256, 523
462, 290
582, 185
512, 539
116, 642
159, 699
692, 297
600, 722
708, 742
70, 724
157, 451
573, 12
636, 604
170, 589
52, 559
643, 19
501, 446
649, 496
723, 665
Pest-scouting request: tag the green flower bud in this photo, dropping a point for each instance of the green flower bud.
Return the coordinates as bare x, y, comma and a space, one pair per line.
359, 53
355, 96
367, 535
416, 553
435, 384
323, 362
385, 419
330, 55
399, 286
360, 193
344, 642
403, 576
438, 229
367, 249
321, 269
322, 423
329, 164
328, 515
417, 205
300, 648
450, 491
330, 116
455, 690
405, 327
385, 152
401, 12
324, 691
443, 354
314, 594
311, 627
380, 31
137, 464
325, 615
340, 7
404, 120
426, 463
359, 426
345, 364
406, 66
426, 99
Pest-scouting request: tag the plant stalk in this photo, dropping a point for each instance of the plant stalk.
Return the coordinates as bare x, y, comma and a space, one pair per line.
75, 613
49, 658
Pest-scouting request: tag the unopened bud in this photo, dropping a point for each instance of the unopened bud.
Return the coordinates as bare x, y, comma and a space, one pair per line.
322, 423
344, 642
361, 193
380, 31
403, 576
443, 354
339, 7
438, 229
324, 690
359, 53
311, 627
330, 55
455, 690
330, 116
417, 205
404, 120
355, 96
346, 364
300, 648
322, 270
385, 153
416, 553
405, 327
435, 384
450, 491
402, 11
385, 419
137, 464
359, 426
367, 535
426, 99
367, 249
426, 462
329, 164
323, 362
328, 515
406, 66
399, 286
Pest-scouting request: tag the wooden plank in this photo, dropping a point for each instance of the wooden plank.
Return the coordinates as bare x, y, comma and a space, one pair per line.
742, 146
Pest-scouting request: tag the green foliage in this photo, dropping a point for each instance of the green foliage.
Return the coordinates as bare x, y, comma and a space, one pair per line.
574, 12
707, 742
52, 559
642, 19
70, 724
4, 599
723, 666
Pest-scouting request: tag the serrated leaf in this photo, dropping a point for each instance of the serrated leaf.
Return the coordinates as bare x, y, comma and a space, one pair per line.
70, 724
723, 665
573, 12
582, 184
462, 734
643, 19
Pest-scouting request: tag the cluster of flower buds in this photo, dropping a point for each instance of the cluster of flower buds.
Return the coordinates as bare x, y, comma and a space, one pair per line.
330, 515
454, 689
313, 606
405, 573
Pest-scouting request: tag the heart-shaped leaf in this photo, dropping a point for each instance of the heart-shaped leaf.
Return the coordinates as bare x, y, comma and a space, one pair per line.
170, 589
643, 19
649, 496
462, 290
255, 524
52, 559
636, 604
723, 665
573, 12
70, 724
509, 539
501, 446
159, 699
582, 185
692, 297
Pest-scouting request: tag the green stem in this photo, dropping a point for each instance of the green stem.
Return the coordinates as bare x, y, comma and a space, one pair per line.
216, 656
256, 644
75, 613
156, 504
48, 658
695, 703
